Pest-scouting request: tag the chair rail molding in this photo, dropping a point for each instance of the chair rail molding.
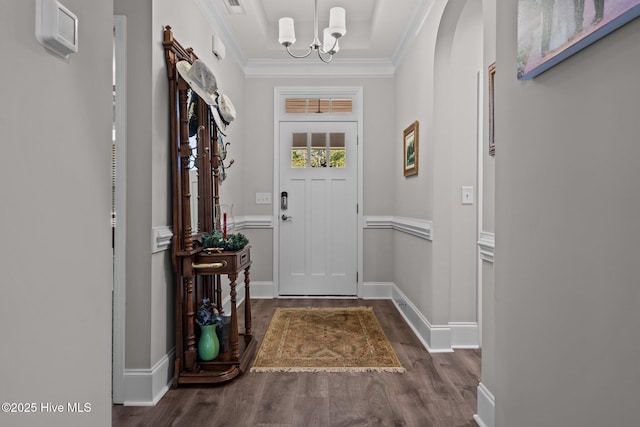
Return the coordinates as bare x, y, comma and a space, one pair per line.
416, 227
254, 222
161, 238
487, 245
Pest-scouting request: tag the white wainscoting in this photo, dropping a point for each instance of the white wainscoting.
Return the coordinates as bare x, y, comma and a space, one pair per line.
416, 227
486, 416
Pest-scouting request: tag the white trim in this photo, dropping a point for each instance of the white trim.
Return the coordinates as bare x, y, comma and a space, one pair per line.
416, 227
377, 290
263, 290
464, 335
161, 238
487, 246
145, 387
120, 232
435, 338
372, 67
486, 416
480, 204
264, 68
357, 95
420, 13
254, 221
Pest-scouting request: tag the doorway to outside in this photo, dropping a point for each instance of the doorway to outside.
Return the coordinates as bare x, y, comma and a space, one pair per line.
318, 191
318, 208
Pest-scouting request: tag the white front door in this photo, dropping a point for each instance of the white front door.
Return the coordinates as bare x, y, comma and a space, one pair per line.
318, 220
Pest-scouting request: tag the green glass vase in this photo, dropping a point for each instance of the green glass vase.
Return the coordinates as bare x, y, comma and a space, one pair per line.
208, 346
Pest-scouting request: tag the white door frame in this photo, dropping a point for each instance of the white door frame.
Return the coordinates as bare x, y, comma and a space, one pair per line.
120, 238
357, 115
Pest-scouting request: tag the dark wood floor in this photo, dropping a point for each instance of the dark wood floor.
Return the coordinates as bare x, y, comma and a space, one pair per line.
436, 390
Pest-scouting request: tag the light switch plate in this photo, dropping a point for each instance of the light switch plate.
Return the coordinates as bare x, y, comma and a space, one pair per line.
467, 195
263, 198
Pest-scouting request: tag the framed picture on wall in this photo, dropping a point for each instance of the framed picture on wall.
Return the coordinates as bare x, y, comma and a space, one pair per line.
410, 148
550, 31
492, 140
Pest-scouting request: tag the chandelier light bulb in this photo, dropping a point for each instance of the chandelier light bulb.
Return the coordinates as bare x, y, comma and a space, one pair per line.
329, 43
329, 46
337, 22
287, 35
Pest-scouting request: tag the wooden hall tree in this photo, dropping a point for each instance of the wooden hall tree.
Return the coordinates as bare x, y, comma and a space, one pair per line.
195, 158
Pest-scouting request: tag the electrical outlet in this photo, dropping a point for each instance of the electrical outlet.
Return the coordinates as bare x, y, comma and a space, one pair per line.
263, 198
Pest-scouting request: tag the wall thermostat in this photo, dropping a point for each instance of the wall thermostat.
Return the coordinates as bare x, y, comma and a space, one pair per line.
217, 47
56, 27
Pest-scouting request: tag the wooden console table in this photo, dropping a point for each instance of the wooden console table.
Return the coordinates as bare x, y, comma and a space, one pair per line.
235, 361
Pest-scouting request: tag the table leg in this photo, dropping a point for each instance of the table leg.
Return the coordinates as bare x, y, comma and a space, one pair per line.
247, 304
233, 339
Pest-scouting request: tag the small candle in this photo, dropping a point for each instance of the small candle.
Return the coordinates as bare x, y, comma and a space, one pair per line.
224, 226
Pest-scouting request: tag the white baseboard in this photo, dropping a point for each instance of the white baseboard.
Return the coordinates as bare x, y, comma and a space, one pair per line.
262, 290
486, 416
145, 387
436, 338
464, 335
377, 290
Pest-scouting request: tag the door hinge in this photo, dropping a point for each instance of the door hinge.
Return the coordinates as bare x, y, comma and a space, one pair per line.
357, 208
357, 275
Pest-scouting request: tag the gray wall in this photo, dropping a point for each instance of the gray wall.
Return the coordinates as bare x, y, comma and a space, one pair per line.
379, 147
487, 223
567, 291
436, 84
55, 311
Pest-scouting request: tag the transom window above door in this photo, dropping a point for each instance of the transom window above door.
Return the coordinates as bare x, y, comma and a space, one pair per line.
318, 150
317, 105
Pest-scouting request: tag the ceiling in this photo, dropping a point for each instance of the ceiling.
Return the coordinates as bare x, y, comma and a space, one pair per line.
377, 31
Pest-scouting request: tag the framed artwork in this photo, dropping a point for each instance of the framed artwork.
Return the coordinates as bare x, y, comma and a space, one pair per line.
550, 31
410, 149
492, 140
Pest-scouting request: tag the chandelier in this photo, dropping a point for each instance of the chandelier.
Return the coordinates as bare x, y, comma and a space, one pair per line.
337, 28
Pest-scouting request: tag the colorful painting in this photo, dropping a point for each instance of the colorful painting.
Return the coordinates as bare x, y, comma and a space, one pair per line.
550, 31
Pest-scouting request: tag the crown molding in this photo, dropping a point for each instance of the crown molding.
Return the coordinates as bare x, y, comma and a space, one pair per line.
261, 68
258, 68
419, 16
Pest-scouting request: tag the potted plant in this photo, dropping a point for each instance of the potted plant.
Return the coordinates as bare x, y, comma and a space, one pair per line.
207, 318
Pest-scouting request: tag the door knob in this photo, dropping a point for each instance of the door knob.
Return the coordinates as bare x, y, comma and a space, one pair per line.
286, 217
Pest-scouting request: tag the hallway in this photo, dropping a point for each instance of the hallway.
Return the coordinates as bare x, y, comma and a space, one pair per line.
437, 389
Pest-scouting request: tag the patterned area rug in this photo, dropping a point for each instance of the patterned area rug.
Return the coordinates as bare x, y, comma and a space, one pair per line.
325, 340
